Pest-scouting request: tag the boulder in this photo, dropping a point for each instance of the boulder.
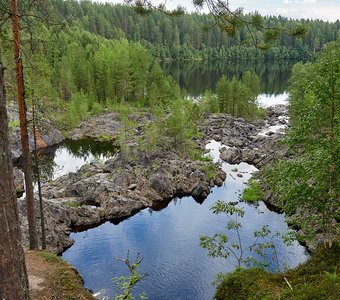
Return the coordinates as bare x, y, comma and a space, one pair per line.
250, 156
232, 155
162, 185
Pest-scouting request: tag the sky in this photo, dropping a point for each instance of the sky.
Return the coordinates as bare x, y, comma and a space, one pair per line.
328, 10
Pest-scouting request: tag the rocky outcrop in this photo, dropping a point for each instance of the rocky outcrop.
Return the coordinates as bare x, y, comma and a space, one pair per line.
123, 186
107, 126
99, 192
255, 142
18, 181
46, 133
231, 155
259, 144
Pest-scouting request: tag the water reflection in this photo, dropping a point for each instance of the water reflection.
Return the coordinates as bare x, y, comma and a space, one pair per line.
168, 239
169, 242
72, 155
197, 76
69, 156
266, 100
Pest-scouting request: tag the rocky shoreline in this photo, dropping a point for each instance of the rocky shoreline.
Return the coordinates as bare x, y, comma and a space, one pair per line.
117, 189
121, 187
255, 143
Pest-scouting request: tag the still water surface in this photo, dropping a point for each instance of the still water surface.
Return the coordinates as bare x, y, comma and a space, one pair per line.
197, 76
168, 240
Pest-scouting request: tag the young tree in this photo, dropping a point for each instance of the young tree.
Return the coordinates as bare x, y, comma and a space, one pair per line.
223, 93
13, 276
38, 178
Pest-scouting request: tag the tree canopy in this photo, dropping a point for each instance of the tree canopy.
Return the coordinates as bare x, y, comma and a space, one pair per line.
310, 179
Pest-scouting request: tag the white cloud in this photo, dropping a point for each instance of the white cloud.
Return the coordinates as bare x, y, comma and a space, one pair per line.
307, 9
299, 1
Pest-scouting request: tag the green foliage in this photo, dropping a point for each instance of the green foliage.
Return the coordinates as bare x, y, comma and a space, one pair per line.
78, 109
220, 244
209, 102
172, 127
183, 38
333, 277
210, 169
125, 284
72, 204
126, 135
78, 73
14, 124
253, 192
315, 279
236, 97
310, 181
97, 108
105, 137
48, 256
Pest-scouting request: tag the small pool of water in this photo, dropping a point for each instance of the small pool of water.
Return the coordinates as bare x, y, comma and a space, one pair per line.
70, 156
168, 240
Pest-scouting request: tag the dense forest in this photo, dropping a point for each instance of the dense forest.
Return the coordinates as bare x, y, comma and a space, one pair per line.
76, 71
188, 36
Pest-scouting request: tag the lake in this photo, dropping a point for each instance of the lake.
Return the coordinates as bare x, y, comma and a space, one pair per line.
197, 76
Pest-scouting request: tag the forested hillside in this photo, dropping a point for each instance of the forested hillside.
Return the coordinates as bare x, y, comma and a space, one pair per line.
187, 36
77, 72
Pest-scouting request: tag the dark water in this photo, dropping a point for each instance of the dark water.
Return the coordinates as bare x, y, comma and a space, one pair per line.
168, 240
197, 76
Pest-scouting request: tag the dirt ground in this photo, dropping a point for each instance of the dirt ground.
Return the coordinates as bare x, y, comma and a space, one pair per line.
50, 278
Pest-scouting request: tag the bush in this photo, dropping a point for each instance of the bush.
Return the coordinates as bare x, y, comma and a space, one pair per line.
253, 192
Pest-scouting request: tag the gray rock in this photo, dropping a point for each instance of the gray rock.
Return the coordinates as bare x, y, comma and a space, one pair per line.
232, 155
46, 133
18, 181
162, 185
250, 156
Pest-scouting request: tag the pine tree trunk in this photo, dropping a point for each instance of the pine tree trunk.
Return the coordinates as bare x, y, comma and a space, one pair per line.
13, 276
27, 164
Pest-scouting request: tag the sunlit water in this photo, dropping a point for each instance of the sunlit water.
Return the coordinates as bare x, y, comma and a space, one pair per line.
168, 240
195, 77
66, 161
267, 100
69, 156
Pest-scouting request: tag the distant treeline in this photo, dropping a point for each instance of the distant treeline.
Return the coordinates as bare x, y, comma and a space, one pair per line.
184, 37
